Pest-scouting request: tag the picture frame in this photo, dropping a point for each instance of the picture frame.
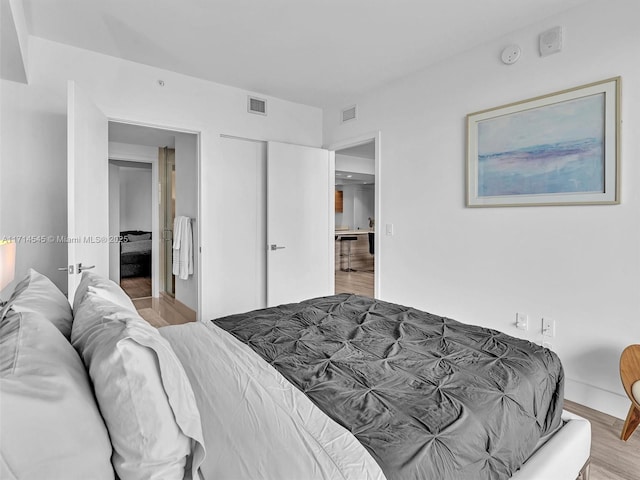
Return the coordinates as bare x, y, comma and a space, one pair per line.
557, 149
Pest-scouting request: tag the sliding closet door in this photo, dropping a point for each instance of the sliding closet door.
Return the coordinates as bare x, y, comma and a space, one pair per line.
276, 231
300, 223
242, 219
87, 188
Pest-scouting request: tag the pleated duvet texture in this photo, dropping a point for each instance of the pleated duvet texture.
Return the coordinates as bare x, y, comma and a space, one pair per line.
427, 396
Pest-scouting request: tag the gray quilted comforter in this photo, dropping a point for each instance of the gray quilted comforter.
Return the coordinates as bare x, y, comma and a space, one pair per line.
429, 397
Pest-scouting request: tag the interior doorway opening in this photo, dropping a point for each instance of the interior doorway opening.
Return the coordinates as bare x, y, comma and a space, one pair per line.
355, 219
142, 262
130, 214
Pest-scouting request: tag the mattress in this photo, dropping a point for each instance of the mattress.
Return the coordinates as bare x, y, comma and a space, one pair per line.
140, 246
427, 396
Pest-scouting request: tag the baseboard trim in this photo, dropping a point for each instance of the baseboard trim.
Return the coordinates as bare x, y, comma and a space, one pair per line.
593, 397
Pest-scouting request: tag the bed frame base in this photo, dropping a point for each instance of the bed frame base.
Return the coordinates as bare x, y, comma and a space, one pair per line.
565, 454
584, 472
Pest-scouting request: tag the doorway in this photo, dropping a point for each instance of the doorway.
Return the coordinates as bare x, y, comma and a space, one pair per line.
170, 159
355, 218
130, 214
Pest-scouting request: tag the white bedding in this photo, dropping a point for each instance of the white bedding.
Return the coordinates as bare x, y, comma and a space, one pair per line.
255, 423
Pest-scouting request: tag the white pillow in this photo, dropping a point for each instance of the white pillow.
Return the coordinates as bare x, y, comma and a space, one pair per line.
142, 390
36, 293
51, 426
635, 391
103, 287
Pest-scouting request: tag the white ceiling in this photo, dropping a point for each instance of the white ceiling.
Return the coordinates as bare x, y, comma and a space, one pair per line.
351, 178
140, 135
364, 150
310, 51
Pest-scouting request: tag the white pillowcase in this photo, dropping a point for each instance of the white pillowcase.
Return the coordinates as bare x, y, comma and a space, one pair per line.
36, 293
635, 391
143, 392
105, 288
51, 426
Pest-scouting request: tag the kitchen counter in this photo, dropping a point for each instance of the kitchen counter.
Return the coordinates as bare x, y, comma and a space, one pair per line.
343, 233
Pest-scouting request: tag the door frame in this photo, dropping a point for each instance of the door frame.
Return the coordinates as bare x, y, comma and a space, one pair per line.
155, 198
354, 142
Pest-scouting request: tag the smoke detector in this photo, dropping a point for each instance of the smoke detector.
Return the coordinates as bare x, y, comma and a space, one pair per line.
510, 54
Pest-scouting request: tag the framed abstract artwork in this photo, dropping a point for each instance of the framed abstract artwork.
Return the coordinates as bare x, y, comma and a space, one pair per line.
557, 149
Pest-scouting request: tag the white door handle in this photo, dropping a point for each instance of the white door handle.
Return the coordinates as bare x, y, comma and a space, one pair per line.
81, 267
276, 247
68, 269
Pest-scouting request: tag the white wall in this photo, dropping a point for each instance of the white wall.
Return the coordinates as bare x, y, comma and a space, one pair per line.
33, 130
187, 204
357, 206
135, 198
578, 264
363, 206
33, 176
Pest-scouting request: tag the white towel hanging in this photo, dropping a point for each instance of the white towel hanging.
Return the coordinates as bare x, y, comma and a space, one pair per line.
182, 247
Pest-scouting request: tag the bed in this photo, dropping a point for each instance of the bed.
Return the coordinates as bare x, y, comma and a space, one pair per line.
292, 392
135, 254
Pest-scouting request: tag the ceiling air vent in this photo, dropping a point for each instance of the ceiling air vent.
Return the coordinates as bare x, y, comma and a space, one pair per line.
349, 114
256, 105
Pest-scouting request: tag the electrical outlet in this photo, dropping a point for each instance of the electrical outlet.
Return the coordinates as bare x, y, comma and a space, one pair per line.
522, 321
548, 327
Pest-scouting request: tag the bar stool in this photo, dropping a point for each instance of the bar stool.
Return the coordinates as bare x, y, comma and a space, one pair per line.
347, 239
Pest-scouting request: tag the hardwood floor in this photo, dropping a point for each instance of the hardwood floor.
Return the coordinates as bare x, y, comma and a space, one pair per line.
360, 281
136, 287
611, 458
164, 311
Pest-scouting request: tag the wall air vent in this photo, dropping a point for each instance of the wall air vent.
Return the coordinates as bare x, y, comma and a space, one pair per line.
256, 105
349, 114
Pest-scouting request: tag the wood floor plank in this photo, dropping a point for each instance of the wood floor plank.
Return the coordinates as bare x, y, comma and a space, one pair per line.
136, 287
360, 281
611, 458
169, 311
